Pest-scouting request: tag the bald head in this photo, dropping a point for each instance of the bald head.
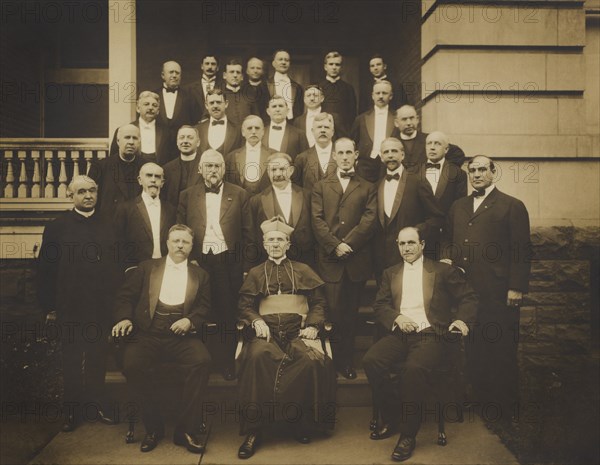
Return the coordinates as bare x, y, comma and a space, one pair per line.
436, 146
171, 74
129, 141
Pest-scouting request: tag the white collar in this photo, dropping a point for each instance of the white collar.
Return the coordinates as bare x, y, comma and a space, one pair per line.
405, 137
441, 162
287, 189
84, 214
333, 80
314, 112
280, 77
382, 111
282, 124
278, 260
144, 124
327, 149
250, 148
148, 199
207, 79
187, 157
233, 89
397, 170
418, 263
222, 119
177, 266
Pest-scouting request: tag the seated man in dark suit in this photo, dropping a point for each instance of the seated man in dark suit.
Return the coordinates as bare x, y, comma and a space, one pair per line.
414, 303
283, 301
142, 223
165, 301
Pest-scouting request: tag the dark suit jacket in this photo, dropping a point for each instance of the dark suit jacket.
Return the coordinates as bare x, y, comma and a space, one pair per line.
233, 137
414, 205
307, 169
186, 110
292, 143
340, 129
297, 96
235, 220
241, 104
492, 244
415, 157
195, 90
138, 297
235, 163
173, 182
134, 231
363, 133
349, 217
164, 150
261, 96
445, 290
112, 188
340, 98
263, 208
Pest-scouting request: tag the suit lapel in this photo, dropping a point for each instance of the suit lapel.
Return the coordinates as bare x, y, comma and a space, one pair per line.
265, 139
264, 154
266, 199
336, 187
285, 139
178, 104
380, 200
241, 163
370, 123
156, 277
226, 200
397, 287
399, 192
486, 205
352, 185
230, 134
443, 181
141, 206
202, 205
390, 124
428, 283
297, 202
271, 87
190, 290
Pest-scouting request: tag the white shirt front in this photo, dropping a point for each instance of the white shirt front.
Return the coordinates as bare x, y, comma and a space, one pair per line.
389, 191
174, 283
433, 175
148, 135
381, 116
310, 118
344, 181
169, 98
153, 208
412, 304
477, 201
276, 135
284, 199
216, 133
283, 87
252, 168
214, 240
324, 157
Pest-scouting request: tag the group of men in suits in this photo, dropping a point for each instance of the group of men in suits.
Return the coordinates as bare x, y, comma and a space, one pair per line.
359, 206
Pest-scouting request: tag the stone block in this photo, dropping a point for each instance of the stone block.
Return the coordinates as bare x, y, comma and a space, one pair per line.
563, 275
551, 242
571, 115
565, 71
511, 146
571, 27
10, 283
557, 298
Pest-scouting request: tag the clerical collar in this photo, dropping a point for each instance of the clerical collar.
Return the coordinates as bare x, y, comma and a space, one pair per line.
180, 265
278, 261
255, 83
405, 137
333, 80
232, 88
280, 77
381, 78
187, 157
82, 213
127, 161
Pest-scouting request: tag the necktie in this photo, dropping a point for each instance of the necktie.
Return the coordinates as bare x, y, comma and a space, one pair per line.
436, 166
217, 122
277, 128
213, 189
347, 174
172, 91
389, 177
478, 193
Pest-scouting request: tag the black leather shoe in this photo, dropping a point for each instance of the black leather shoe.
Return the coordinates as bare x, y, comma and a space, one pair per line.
192, 442
249, 446
69, 424
348, 372
384, 432
404, 449
150, 441
228, 374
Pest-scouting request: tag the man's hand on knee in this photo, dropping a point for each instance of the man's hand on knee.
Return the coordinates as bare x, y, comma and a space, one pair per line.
122, 328
181, 327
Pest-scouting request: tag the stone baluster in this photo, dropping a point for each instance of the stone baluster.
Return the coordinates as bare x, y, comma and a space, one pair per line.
62, 177
75, 158
50, 189
88, 155
22, 189
9, 189
35, 187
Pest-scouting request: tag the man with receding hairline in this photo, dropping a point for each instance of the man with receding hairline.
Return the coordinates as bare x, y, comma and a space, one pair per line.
281, 84
256, 85
218, 131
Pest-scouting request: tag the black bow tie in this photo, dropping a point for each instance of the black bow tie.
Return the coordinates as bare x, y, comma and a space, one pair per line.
476, 193
217, 122
389, 177
347, 174
437, 166
213, 189
172, 91
277, 128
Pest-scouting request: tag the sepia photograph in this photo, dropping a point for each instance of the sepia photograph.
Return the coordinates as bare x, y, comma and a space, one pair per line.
293, 232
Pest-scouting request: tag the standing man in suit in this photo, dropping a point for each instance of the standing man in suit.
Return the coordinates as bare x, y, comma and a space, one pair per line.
288, 201
117, 175
279, 135
256, 85
177, 105
370, 129
281, 84
154, 137
378, 71
402, 200
415, 303
239, 103
218, 132
317, 162
247, 166
182, 172
209, 81
77, 279
448, 183
340, 97
164, 302
407, 124
142, 223
313, 98
219, 215
490, 239
344, 215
